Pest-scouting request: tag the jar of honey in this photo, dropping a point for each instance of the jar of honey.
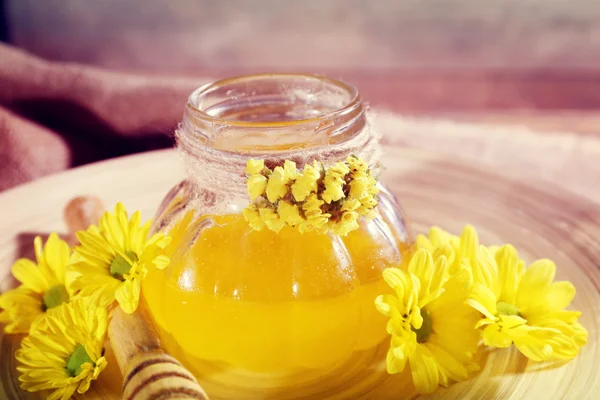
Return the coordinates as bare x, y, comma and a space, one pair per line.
264, 314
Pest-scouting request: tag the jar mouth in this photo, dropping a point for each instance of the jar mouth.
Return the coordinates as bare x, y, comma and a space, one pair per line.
274, 100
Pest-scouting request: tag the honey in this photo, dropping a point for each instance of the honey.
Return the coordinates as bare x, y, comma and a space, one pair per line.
271, 309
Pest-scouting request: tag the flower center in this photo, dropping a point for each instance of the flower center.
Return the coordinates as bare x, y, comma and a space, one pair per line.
507, 309
77, 359
54, 297
120, 266
426, 328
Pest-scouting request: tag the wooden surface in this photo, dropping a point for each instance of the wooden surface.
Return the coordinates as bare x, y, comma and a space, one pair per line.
495, 183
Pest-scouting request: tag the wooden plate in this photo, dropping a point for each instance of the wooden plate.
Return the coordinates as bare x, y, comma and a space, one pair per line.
539, 219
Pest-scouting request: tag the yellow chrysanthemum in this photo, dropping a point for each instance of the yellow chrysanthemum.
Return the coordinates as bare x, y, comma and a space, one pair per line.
315, 218
289, 213
524, 306
257, 184
114, 257
359, 188
315, 199
42, 285
277, 185
350, 205
334, 182
306, 183
367, 208
252, 216
254, 167
430, 324
64, 352
348, 220
357, 165
463, 250
271, 219
289, 170
346, 224
363, 187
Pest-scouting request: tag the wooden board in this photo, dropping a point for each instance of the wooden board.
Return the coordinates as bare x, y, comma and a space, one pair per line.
539, 219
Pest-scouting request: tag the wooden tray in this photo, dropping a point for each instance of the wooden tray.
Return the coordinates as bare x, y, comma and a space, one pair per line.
539, 219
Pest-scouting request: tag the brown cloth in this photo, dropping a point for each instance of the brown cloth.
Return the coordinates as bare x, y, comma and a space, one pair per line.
54, 116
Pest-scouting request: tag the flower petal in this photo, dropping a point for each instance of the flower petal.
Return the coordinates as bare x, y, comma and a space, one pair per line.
56, 254
30, 275
394, 364
397, 279
421, 265
535, 346
440, 271
539, 275
128, 295
483, 300
510, 269
453, 368
560, 295
492, 336
424, 370
469, 243
416, 319
161, 262
384, 304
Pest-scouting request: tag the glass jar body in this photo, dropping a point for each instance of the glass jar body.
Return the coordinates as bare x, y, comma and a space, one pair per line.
261, 311
260, 314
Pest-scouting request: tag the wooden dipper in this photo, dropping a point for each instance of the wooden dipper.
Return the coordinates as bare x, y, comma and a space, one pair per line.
149, 373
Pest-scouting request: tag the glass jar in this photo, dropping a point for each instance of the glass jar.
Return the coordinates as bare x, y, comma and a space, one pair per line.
259, 314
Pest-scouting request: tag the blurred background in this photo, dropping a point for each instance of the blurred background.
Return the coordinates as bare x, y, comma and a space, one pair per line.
533, 62
507, 51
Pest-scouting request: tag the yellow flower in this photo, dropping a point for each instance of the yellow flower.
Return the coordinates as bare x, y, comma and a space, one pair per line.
253, 217
357, 165
334, 182
350, 205
315, 218
289, 170
114, 257
367, 208
277, 185
430, 324
306, 183
289, 213
363, 187
348, 221
440, 239
257, 184
525, 307
346, 224
373, 189
65, 352
254, 167
359, 188
42, 286
463, 250
304, 193
271, 219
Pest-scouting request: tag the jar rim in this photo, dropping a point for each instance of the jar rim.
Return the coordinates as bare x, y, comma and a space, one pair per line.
350, 106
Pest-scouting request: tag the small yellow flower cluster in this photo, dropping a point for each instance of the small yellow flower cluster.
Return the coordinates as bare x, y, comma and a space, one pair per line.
451, 292
63, 300
314, 199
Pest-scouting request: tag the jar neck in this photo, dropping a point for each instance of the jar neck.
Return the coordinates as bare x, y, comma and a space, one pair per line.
273, 117
268, 114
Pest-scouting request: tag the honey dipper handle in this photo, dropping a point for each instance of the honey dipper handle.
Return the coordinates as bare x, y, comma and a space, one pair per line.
158, 376
148, 372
